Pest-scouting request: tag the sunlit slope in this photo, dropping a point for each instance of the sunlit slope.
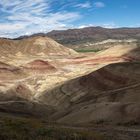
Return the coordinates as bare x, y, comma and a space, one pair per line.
33, 46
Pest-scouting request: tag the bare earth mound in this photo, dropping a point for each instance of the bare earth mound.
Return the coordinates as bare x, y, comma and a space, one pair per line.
33, 46
39, 66
110, 94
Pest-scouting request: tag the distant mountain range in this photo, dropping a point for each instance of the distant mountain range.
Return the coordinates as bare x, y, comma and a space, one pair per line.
90, 34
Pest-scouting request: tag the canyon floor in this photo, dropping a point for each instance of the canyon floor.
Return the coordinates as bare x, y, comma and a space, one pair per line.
40, 78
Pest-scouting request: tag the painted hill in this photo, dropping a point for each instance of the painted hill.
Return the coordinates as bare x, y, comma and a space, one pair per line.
86, 88
109, 94
33, 46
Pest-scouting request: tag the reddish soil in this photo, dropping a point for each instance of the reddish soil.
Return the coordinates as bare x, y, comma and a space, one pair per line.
104, 59
39, 65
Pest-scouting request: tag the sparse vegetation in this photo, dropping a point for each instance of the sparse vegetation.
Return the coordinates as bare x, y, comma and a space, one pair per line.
27, 129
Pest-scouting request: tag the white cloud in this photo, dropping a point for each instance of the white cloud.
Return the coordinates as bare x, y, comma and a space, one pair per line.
84, 5
32, 16
104, 25
12, 27
85, 25
99, 4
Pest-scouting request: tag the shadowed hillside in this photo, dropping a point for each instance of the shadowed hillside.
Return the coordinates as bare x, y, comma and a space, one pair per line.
108, 94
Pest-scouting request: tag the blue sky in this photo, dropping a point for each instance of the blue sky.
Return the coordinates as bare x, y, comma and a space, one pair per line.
25, 17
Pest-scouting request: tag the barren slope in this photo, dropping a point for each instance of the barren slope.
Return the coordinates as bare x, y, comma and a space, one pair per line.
33, 46
110, 94
42, 76
24, 72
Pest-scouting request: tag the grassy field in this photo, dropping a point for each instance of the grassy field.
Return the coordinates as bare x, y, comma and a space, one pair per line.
32, 129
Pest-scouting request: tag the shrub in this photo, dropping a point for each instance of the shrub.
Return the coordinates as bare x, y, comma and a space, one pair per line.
30, 129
